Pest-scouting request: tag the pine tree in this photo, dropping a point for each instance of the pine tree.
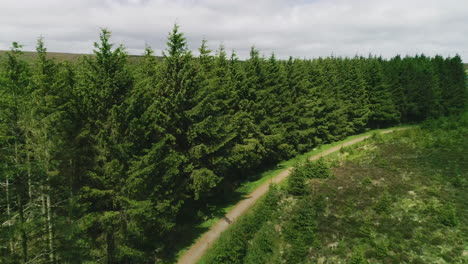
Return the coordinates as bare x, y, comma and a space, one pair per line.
14, 95
393, 72
382, 109
158, 177
105, 82
272, 100
248, 151
44, 142
334, 105
354, 93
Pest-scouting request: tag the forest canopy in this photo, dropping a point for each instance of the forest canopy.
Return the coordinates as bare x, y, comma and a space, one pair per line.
105, 160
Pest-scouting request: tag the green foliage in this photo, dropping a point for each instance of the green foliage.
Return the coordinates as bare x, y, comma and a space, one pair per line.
357, 257
312, 169
263, 245
231, 247
299, 231
297, 183
105, 160
405, 212
448, 215
203, 180
383, 203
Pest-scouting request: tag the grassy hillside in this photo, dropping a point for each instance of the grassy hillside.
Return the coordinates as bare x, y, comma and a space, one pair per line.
30, 56
397, 198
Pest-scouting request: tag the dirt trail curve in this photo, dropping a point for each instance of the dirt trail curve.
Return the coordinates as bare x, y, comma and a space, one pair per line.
196, 251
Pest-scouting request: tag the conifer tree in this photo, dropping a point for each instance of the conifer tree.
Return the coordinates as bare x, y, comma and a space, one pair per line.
382, 108
334, 104
104, 160
248, 78
14, 96
354, 93
273, 102
105, 82
44, 142
157, 182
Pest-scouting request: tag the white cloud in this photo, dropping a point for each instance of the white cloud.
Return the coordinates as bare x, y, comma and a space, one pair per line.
301, 28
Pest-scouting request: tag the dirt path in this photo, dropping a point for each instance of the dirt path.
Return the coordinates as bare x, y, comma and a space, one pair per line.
196, 251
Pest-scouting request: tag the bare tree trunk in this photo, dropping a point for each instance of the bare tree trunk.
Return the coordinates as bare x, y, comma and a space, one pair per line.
50, 230
28, 160
49, 226
7, 190
24, 237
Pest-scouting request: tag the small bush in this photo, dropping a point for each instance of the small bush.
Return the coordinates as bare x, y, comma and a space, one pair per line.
299, 231
297, 184
231, 247
313, 169
381, 250
366, 181
357, 257
377, 137
448, 216
384, 203
261, 247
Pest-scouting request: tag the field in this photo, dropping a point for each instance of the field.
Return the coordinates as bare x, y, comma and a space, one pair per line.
397, 198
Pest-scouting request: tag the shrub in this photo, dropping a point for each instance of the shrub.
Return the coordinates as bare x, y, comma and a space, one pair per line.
357, 257
313, 169
384, 203
297, 183
366, 181
448, 215
231, 247
299, 231
261, 247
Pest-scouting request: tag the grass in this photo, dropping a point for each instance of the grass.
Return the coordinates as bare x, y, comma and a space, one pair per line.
395, 198
399, 200
249, 186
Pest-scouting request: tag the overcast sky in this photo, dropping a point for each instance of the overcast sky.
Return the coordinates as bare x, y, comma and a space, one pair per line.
300, 28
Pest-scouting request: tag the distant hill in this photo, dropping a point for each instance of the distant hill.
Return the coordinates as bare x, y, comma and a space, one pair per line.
60, 56
75, 57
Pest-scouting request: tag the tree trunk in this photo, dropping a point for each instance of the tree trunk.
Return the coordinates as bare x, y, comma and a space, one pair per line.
110, 247
7, 190
49, 225
50, 230
24, 237
28, 161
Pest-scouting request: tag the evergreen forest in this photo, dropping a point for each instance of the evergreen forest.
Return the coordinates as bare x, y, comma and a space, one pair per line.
103, 160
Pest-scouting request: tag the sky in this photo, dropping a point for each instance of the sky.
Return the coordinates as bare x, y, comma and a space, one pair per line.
298, 28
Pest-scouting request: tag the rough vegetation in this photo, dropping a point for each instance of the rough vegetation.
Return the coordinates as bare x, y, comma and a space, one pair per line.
397, 198
103, 160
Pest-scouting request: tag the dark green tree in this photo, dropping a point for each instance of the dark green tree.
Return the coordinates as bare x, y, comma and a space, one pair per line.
104, 83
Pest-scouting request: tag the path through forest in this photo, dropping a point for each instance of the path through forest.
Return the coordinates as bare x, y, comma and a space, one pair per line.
196, 251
